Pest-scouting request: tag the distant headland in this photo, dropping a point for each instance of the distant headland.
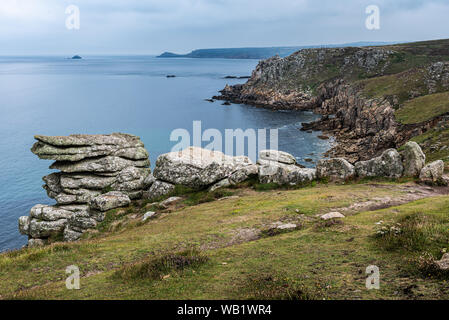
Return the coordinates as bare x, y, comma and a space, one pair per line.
258, 53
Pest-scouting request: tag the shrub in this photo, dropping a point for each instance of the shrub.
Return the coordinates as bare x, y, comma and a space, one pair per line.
156, 268
270, 287
415, 232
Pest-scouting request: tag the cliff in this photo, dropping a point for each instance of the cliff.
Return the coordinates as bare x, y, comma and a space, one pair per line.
371, 98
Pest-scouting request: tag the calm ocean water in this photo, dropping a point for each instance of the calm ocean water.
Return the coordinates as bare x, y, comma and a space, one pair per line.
58, 96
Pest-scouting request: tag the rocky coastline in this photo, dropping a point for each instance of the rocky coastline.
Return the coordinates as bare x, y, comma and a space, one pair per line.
99, 173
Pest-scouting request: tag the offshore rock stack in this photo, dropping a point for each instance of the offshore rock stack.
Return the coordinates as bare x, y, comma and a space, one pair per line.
96, 173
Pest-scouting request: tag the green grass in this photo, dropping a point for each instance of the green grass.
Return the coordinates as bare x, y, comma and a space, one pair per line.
423, 108
397, 85
149, 261
160, 267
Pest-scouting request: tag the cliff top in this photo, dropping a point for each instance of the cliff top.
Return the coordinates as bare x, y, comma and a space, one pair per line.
257, 244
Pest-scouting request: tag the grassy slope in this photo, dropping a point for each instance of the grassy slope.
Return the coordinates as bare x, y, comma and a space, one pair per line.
318, 261
423, 108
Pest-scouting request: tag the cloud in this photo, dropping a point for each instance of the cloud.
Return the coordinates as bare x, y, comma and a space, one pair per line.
152, 26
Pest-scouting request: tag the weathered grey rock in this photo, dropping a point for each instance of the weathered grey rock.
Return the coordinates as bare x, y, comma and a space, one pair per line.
197, 168
243, 174
33, 243
337, 169
90, 165
86, 181
389, 165
67, 199
131, 179
287, 226
86, 193
53, 184
95, 165
148, 215
109, 201
443, 264
79, 147
221, 184
75, 207
433, 172
283, 174
149, 180
332, 215
277, 156
71, 235
45, 229
81, 222
97, 215
158, 189
413, 159
49, 213
170, 201
237, 177
24, 225
134, 195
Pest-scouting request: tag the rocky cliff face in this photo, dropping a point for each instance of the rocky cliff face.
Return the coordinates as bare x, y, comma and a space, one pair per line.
357, 90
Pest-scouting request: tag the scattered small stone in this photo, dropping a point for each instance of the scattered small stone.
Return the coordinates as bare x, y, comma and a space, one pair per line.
332, 215
287, 226
148, 215
226, 103
228, 198
209, 100
443, 264
170, 201
323, 137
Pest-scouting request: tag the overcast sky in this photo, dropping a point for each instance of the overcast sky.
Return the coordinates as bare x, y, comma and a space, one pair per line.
154, 26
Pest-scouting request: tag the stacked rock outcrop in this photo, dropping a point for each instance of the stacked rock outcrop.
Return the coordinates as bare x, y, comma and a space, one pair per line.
198, 169
96, 173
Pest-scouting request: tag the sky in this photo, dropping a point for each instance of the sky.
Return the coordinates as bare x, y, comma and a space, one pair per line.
30, 27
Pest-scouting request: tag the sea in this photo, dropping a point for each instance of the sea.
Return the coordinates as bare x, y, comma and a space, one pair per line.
54, 95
